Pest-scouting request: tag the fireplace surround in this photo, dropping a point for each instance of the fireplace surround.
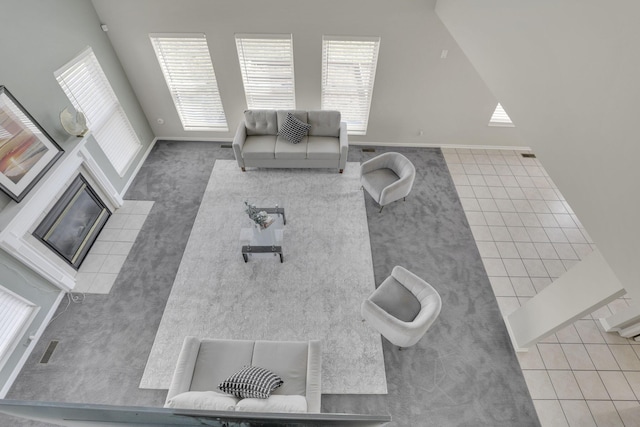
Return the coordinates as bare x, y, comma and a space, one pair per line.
18, 221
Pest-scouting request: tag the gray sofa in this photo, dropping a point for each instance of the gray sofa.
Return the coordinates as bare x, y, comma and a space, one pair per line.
204, 363
257, 143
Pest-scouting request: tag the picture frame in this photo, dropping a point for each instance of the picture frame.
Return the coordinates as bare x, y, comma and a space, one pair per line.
27, 151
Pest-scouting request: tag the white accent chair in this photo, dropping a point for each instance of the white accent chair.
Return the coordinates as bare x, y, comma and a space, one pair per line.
403, 307
387, 177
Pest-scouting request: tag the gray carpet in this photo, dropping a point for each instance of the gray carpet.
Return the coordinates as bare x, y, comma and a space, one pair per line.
462, 373
315, 294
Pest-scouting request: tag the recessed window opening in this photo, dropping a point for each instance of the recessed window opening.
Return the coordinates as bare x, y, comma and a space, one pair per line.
89, 91
500, 118
188, 71
266, 64
348, 75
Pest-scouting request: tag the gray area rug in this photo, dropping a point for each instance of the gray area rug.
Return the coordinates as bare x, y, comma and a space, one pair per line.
462, 373
315, 294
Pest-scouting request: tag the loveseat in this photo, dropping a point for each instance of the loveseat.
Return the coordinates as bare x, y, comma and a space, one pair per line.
203, 364
259, 140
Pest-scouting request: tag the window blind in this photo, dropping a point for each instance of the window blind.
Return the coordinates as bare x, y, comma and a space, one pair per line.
348, 75
266, 63
500, 118
186, 64
88, 89
15, 315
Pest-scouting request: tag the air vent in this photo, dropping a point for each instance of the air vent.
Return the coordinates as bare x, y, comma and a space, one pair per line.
49, 351
226, 146
529, 155
368, 150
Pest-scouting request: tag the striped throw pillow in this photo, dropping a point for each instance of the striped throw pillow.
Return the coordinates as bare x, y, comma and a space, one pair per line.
251, 381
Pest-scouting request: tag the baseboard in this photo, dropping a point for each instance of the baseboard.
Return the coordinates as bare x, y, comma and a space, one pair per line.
23, 359
427, 145
189, 138
380, 144
137, 169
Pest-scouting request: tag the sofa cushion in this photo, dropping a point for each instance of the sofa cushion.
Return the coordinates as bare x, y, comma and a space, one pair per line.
275, 403
217, 359
204, 400
288, 150
288, 359
251, 381
294, 129
324, 123
323, 148
261, 122
259, 147
298, 114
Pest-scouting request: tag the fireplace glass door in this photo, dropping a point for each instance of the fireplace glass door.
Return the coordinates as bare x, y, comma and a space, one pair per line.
73, 224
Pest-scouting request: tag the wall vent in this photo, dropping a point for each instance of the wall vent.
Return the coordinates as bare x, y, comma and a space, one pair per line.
49, 351
529, 155
226, 146
368, 150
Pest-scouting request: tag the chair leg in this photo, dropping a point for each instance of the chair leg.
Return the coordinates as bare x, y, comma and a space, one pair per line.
381, 207
404, 199
400, 348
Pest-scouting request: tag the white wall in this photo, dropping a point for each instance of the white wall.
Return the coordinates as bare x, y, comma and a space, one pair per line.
414, 89
568, 75
40, 36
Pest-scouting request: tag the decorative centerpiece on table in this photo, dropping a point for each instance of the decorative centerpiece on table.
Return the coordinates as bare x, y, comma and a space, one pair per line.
261, 219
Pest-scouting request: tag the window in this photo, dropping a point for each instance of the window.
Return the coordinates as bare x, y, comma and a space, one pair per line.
186, 64
88, 89
500, 118
15, 315
348, 74
266, 63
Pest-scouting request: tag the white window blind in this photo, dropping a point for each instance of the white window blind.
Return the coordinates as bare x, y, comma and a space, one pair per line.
500, 118
88, 89
266, 63
348, 75
186, 64
15, 316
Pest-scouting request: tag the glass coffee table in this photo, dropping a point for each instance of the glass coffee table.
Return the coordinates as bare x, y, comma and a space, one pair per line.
264, 243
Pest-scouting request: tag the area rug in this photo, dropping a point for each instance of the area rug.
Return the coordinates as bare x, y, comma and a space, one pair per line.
315, 294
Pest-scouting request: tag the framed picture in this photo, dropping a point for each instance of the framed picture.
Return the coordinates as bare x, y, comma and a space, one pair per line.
26, 150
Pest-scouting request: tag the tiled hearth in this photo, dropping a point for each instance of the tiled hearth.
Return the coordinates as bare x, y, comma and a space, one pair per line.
99, 271
528, 236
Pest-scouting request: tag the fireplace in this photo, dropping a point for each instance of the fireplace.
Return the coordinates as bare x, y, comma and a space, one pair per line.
74, 222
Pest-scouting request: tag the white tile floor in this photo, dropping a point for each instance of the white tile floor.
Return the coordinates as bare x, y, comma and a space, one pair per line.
527, 236
100, 268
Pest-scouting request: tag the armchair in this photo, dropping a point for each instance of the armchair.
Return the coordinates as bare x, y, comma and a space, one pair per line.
387, 177
403, 307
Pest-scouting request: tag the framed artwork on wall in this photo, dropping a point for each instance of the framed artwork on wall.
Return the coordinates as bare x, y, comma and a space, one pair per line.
26, 149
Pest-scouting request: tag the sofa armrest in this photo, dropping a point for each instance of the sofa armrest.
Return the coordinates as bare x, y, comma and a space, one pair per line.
238, 143
314, 377
344, 145
183, 374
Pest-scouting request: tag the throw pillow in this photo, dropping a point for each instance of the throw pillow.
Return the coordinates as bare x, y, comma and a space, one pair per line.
251, 381
293, 129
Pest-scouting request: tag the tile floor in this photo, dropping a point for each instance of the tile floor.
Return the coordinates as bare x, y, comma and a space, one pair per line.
528, 236
100, 268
